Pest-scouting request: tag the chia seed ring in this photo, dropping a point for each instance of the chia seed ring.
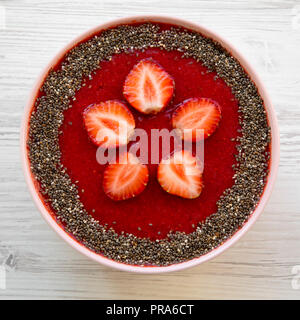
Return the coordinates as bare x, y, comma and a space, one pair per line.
235, 205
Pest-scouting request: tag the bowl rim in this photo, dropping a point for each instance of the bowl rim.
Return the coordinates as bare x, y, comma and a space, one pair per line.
274, 162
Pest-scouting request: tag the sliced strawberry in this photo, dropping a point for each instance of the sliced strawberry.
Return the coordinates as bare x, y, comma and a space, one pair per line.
148, 87
125, 179
196, 114
180, 175
109, 124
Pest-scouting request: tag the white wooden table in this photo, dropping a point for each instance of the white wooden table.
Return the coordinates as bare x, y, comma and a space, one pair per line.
38, 264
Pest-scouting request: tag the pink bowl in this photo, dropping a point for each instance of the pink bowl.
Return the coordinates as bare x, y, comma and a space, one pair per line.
146, 269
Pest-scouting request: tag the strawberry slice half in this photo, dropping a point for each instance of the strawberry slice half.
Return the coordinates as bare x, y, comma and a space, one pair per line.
180, 175
148, 87
196, 114
125, 179
109, 124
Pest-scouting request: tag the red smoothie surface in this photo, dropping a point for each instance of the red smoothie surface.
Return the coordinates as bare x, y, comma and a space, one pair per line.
153, 213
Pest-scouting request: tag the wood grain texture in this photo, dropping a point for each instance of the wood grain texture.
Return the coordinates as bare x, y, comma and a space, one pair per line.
40, 265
